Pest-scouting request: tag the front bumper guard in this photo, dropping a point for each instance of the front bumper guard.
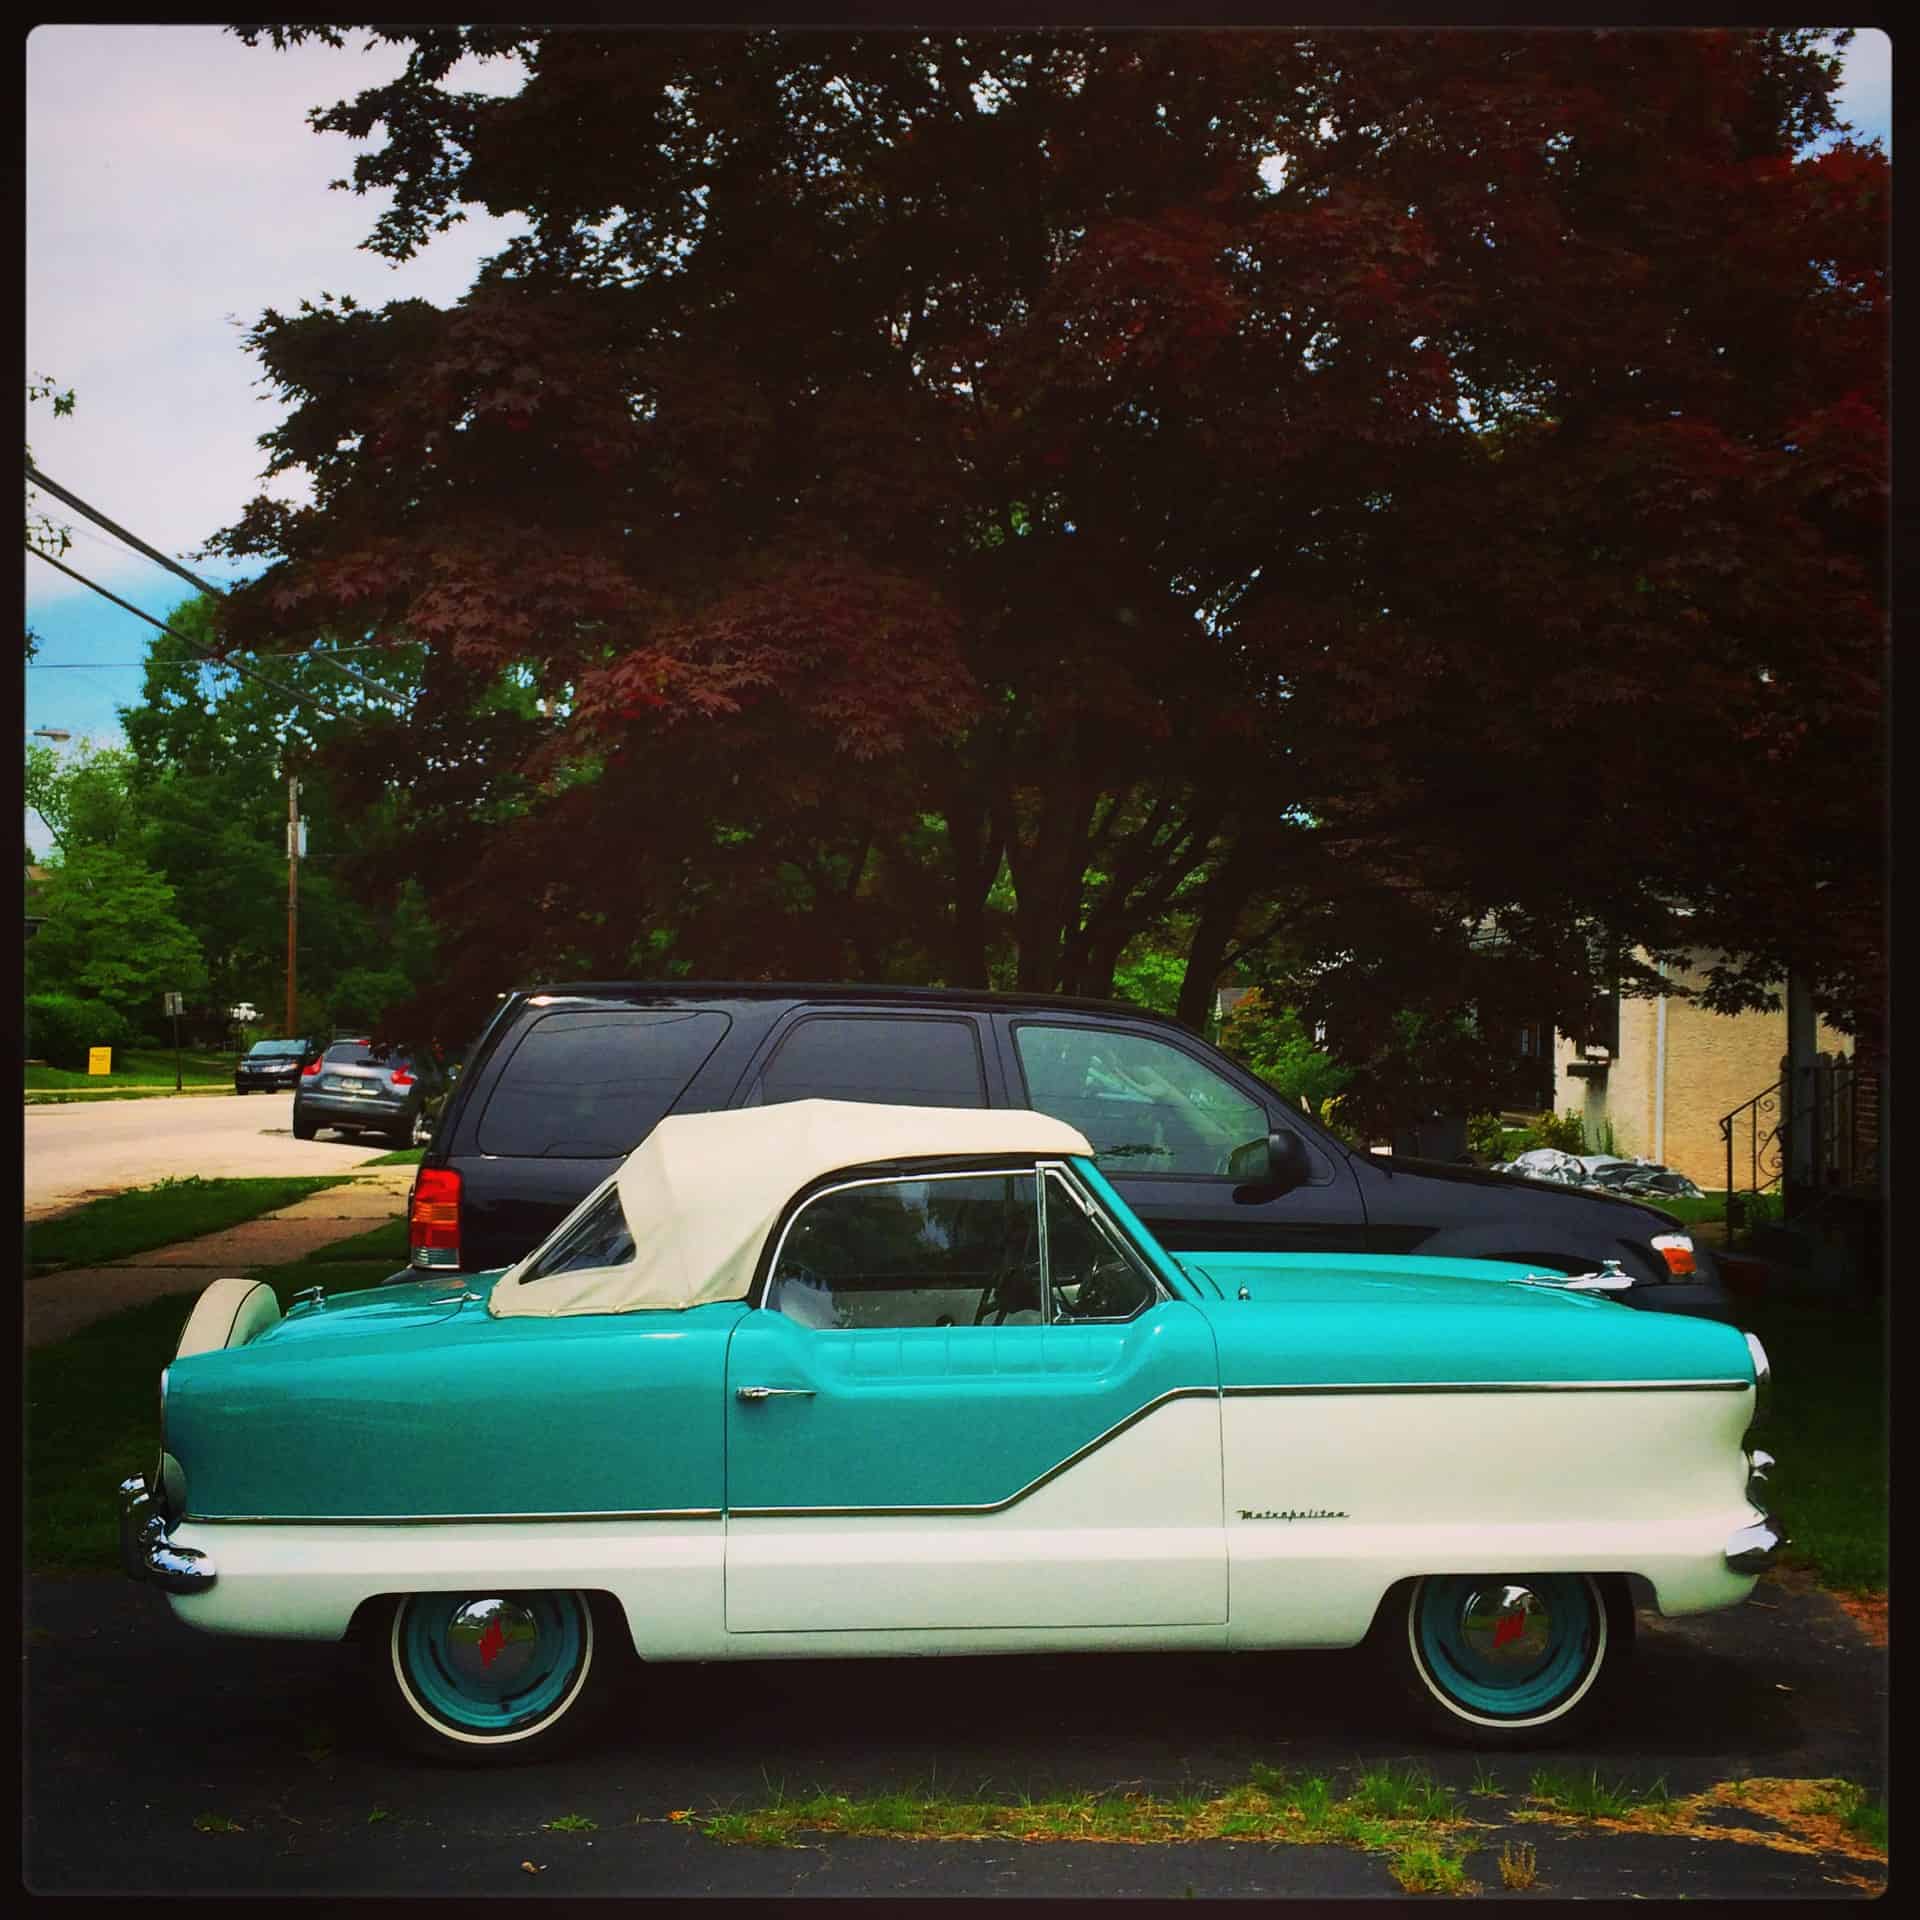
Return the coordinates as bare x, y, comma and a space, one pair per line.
1754, 1549
146, 1549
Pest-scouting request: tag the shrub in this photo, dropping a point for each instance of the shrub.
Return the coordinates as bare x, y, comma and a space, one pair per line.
62, 1026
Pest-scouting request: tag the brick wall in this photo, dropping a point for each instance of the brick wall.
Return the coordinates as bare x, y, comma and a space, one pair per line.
1714, 1062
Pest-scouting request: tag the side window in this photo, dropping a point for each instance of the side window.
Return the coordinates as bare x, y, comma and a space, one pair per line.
953, 1251
909, 1062
590, 1085
1147, 1107
599, 1238
1089, 1275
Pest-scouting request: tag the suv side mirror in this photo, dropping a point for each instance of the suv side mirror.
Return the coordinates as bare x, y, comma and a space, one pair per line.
1277, 1163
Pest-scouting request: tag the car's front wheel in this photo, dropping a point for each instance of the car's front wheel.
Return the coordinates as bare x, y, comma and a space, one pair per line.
1505, 1659
490, 1678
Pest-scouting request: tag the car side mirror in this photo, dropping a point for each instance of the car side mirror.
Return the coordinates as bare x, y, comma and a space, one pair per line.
1278, 1162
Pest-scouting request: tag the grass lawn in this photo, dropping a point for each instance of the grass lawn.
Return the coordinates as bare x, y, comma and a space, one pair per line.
128, 1223
139, 1067
92, 1403
406, 1157
1826, 1424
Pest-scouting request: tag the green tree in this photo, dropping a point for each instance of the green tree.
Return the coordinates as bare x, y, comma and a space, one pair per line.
1274, 1042
211, 749
112, 934
85, 798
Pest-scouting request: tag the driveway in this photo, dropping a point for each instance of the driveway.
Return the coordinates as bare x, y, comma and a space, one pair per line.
81, 1151
159, 1759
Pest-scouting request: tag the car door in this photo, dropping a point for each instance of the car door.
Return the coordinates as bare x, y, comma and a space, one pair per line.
963, 1405
1181, 1139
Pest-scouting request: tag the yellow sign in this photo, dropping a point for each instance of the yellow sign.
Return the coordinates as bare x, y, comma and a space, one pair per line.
99, 1059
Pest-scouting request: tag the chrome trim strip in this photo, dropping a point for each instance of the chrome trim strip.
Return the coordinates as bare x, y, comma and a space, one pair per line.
989, 1506
439, 1519
147, 1551
1754, 1549
1504, 1386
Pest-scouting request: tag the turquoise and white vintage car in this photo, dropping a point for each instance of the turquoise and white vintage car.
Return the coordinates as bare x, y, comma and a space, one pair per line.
828, 1379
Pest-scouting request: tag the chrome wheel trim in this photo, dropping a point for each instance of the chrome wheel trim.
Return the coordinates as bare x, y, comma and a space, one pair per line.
467, 1627
1556, 1710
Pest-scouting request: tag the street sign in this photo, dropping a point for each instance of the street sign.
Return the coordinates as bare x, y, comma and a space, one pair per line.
173, 1004
99, 1059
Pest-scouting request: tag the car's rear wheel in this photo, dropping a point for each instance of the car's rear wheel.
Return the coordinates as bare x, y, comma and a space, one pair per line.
491, 1677
1504, 1659
303, 1129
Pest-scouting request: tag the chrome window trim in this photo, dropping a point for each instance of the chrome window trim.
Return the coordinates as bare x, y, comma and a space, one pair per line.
1089, 1205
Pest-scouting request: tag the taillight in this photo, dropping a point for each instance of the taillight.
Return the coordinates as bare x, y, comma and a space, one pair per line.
401, 1077
433, 1218
310, 1069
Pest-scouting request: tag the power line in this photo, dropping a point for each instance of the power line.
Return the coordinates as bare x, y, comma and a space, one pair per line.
296, 694
173, 566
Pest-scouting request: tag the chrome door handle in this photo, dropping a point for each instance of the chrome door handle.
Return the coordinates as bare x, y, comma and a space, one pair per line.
769, 1393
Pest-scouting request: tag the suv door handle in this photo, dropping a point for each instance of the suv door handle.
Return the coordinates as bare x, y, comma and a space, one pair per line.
770, 1393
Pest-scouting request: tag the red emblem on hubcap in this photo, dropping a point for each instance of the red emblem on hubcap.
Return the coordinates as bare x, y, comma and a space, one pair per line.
1510, 1627
491, 1642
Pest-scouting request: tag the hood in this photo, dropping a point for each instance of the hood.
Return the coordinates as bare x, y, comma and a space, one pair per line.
375, 1310
1312, 1321
1384, 1281
1506, 1182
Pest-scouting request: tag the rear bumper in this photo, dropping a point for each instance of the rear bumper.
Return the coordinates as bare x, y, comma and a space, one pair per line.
349, 1110
147, 1550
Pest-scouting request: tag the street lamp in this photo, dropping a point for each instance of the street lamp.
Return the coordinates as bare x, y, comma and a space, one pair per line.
51, 733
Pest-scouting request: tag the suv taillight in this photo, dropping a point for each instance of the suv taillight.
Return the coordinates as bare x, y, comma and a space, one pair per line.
310, 1069
433, 1218
401, 1077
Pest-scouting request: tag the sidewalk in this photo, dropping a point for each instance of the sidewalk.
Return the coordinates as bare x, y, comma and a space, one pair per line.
59, 1304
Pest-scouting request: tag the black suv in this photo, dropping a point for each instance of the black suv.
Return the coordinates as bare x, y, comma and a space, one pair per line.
272, 1065
567, 1079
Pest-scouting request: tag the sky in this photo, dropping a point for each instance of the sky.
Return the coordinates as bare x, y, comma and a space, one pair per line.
175, 191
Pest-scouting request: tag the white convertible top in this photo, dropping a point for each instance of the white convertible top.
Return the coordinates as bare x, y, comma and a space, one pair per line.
703, 1190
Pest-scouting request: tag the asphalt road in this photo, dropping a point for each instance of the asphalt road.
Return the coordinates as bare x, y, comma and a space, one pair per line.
160, 1760
80, 1151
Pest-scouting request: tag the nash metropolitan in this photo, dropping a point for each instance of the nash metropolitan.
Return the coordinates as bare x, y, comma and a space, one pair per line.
826, 1379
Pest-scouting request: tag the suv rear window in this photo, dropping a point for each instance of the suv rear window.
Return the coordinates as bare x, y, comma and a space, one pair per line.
592, 1085
358, 1053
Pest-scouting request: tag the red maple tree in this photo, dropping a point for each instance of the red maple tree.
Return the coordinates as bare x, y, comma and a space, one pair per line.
943, 505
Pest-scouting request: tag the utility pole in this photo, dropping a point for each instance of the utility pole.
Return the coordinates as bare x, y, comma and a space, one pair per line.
293, 895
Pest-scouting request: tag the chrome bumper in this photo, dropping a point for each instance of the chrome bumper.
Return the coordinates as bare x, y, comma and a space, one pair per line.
146, 1551
1754, 1549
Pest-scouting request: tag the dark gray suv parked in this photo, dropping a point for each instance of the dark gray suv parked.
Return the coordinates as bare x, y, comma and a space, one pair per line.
568, 1079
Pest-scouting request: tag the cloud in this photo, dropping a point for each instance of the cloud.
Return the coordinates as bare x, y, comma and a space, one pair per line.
174, 191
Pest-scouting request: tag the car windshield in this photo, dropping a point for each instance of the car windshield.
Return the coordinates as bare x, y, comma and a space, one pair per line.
276, 1050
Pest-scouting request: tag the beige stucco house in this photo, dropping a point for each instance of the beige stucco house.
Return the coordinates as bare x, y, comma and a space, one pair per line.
1676, 1070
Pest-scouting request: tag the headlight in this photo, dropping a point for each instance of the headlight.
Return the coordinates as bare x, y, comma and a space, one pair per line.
1762, 1373
1676, 1249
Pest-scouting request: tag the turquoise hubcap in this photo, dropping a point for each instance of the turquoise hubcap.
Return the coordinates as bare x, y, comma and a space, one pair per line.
492, 1663
1504, 1645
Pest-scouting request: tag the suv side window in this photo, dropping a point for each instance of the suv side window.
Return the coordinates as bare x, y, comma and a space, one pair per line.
915, 1062
1148, 1108
593, 1084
